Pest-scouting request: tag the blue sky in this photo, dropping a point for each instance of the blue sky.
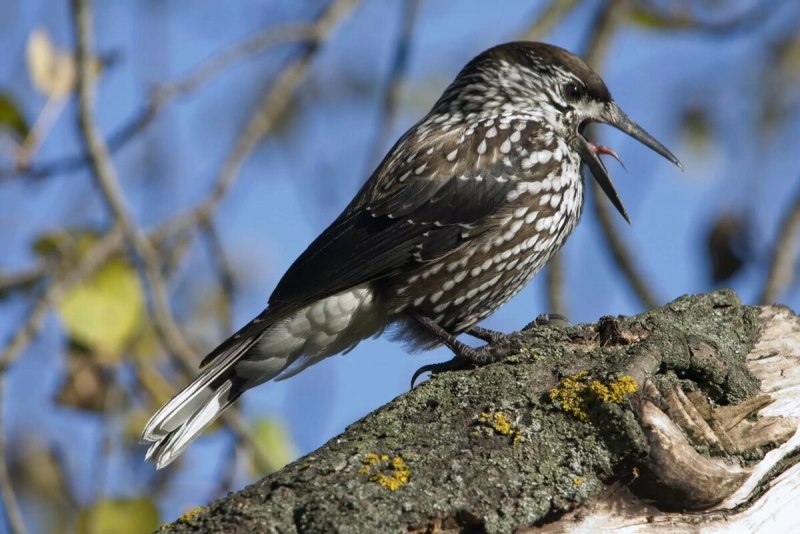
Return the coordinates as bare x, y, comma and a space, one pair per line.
298, 180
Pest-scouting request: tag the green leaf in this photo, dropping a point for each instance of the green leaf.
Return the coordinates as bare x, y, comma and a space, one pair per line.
11, 118
104, 311
119, 516
272, 439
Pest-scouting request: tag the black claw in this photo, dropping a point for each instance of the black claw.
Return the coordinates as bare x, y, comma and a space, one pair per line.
455, 364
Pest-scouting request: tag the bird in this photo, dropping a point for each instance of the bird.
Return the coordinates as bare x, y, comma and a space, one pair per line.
465, 208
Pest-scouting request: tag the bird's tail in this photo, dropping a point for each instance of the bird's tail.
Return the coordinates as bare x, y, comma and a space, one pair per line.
287, 342
187, 414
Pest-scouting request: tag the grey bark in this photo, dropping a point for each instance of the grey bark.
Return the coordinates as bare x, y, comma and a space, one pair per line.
491, 450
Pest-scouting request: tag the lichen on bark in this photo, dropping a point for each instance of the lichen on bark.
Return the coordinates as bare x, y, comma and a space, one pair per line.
461, 472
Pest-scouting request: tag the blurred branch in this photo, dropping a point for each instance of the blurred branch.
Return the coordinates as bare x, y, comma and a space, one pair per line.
108, 183
13, 513
180, 224
91, 261
555, 11
22, 280
397, 72
200, 75
163, 94
781, 269
124, 230
654, 15
597, 44
264, 119
556, 301
25, 333
619, 250
549, 17
224, 269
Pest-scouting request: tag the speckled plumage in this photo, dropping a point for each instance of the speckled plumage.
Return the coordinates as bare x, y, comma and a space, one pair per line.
463, 211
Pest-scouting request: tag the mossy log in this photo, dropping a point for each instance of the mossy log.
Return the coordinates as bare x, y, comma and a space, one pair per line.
676, 419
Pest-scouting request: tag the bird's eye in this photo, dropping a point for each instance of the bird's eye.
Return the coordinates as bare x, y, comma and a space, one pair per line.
574, 91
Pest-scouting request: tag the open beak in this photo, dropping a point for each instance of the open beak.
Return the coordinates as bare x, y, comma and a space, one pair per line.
590, 152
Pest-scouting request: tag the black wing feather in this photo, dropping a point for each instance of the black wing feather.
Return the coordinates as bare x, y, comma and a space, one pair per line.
394, 221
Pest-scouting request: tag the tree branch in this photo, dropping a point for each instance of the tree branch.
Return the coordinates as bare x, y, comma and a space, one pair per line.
161, 95
466, 452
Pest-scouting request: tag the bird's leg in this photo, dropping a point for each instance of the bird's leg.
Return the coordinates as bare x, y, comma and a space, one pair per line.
464, 354
497, 344
493, 336
484, 334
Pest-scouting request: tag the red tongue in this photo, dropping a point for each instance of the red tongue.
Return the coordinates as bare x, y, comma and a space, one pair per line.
600, 149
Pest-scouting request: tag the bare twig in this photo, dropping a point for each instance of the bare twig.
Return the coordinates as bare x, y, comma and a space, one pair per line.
105, 175
619, 250
781, 268
91, 261
108, 183
13, 513
263, 120
200, 75
25, 333
656, 17
180, 224
549, 17
163, 94
224, 269
21, 280
597, 44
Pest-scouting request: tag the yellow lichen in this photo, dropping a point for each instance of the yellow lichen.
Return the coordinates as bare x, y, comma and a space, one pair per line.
499, 422
575, 394
392, 474
190, 514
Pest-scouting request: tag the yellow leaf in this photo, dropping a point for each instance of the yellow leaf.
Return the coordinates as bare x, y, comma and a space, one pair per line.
52, 71
119, 516
104, 311
272, 439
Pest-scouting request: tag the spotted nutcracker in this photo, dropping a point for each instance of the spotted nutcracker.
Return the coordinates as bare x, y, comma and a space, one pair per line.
462, 212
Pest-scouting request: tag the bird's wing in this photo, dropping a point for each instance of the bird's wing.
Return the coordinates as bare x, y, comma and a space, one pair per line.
420, 204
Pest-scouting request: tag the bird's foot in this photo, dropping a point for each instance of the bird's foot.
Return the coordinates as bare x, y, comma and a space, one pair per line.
455, 364
493, 336
466, 356
484, 334
498, 345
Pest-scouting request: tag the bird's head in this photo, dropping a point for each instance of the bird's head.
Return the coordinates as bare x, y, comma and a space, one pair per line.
550, 85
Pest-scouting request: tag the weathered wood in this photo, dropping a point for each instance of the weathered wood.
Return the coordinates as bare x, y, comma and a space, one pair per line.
555, 438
